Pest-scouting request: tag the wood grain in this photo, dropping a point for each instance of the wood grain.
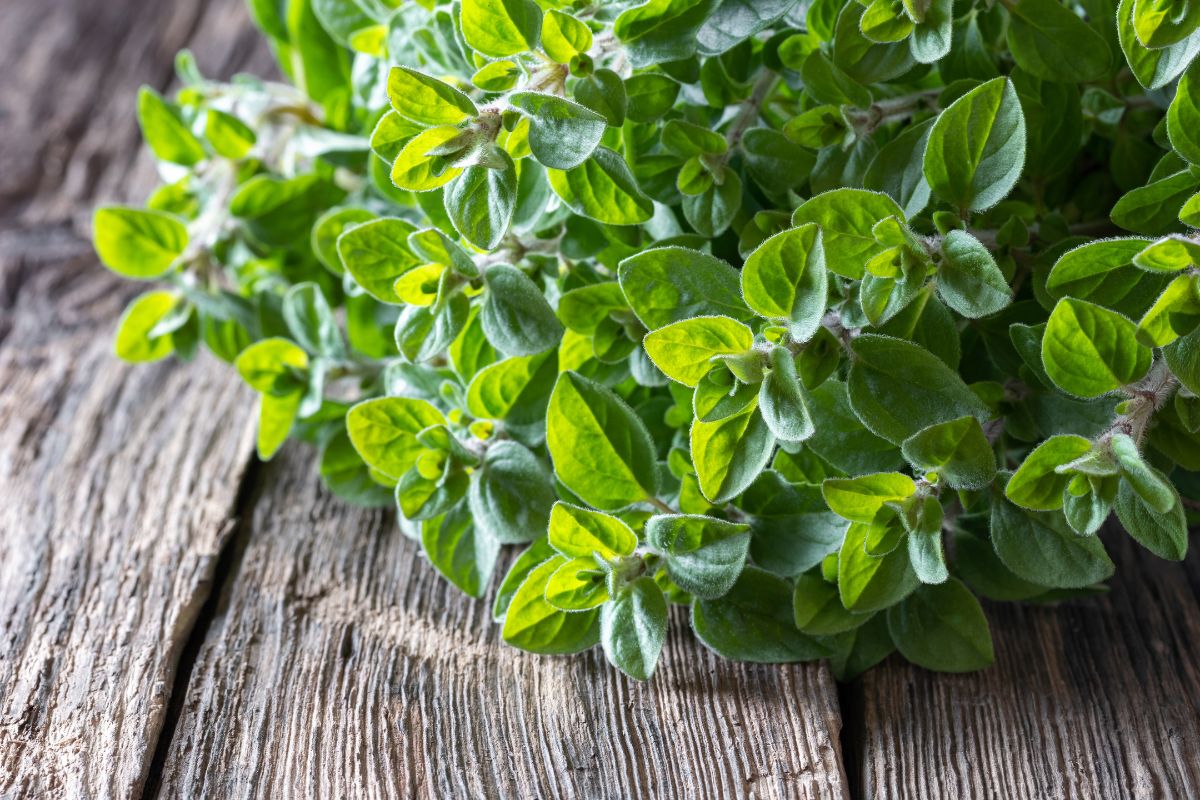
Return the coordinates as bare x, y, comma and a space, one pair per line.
340, 665
1091, 698
117, 481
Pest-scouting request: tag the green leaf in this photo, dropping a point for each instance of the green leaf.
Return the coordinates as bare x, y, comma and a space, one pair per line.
1159, 23
511, 494
753, 622
530, 558
863, 60
584, 308
346, 475
273, 366
165, 132
311, 322
661, 30
886, 22
420, 168
930, 40
1040, 547
329, 227
516, 317
968, 279
861, 499
785, 279
601, 449
976, 147
424, 331
519, 386
734, 21
460, 550
228, 135
426, 100
818, 609
481, 202
580, 532
577, 585
730, 453
1183, 357
1154, 209
685, 350
633, 627
649, 96
1169, 254
1176, 313
564, 37
925, 551
870, 583
1147, 482
897, 170
276, 415
384, 431
391, 134
942, 627
1037, 485
958, 450
562, 134
376, 253
1103, 272
604, 92
1088, 350
898, 388
280, 212
602, 188
671, 284
704, 555
841, 438
501, 28
1164, 533
1048, 40
1152, 68
532, 624
712, 211
1183, 117
791, 528
138, 243
781, 399
847, 218
134, 341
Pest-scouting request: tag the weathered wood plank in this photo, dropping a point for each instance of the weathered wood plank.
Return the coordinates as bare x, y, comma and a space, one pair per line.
117, 482
1092, 698
71, 72
340, 665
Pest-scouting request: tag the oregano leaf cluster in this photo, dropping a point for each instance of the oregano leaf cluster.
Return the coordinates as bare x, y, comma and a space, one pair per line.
820, 320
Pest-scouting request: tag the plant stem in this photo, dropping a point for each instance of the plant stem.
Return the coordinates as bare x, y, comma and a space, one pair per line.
660, 505
750, 109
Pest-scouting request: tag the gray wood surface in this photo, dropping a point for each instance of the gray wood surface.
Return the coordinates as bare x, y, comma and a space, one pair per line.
340, 665
116, 482
1095, 698
307, 650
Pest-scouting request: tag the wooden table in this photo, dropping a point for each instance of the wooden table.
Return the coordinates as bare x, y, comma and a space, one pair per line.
176, 619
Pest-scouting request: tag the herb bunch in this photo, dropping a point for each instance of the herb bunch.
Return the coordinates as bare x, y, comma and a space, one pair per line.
822, 319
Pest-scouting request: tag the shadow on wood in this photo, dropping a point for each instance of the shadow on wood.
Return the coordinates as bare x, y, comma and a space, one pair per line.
340, 664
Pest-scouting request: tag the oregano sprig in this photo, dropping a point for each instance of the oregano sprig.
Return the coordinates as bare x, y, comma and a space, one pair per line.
822, 321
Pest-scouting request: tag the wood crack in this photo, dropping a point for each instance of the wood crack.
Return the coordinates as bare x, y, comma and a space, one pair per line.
210, 596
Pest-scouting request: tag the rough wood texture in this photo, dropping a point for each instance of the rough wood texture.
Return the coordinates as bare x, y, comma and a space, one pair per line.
337, 663
1092, 698
71, 71
340, 665
117, 482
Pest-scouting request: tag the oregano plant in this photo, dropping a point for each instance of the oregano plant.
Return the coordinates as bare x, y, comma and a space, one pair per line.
820, 320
